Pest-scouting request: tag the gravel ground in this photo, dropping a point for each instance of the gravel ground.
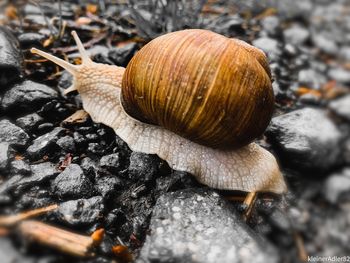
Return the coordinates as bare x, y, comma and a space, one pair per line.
159, 214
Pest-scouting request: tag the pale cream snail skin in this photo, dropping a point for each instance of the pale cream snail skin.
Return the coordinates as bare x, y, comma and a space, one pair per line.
248, 168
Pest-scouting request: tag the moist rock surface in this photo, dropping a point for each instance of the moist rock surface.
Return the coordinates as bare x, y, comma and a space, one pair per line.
199, 226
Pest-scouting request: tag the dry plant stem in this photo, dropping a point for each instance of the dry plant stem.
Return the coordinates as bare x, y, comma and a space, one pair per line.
249, 202
8, 221
62, 240
300, 246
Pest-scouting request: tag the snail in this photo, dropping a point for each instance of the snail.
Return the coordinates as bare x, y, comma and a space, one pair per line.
195, 98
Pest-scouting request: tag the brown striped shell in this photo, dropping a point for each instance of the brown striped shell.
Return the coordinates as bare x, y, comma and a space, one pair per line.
203, 86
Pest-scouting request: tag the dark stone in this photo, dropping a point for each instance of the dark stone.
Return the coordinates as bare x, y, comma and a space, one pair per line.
95, 148
143, 167
107, 185
66, 143
41, 173
296, 35
12, 134
121, 56
72, 183
88, 164
4, 156
45, 143
346, 151
45, 127
82, 211
197, 225
307, 139
111, 162
340, 75
341, 107
30, 39
20, 167
27, 95
29, 122
11, 59
336, 185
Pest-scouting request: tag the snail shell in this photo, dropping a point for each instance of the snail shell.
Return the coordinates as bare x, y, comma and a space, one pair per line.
203, 86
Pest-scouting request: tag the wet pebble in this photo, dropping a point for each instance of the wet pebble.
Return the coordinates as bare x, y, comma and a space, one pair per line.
121, 56
325, 44
29, 122
270, 24
12, 134
111, 162
4, 156
311, 78
44, 144
269, 45
66, 143
30, 39
27, 95
341, 107
340, 75
296, 35
82, 211
72, 183
41, 173
11, 59
20, 167
336, 185
307, 139
199, 226
143, 167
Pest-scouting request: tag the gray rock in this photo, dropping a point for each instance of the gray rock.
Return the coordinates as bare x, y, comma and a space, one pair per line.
311, 78
20, 167
29, 122
43, 144
66, 143
42, 172
11, 59
269, 46
341, 107
337, 184
296, 35
10, 253
346, 152
30, 38
12, 134
4, 156
111, 162
307, 139
143, 167
121, 56
270, 24
197, 225
339, 74
325, 44
107, 185
344, 53
27, 95
72, 183
81, 211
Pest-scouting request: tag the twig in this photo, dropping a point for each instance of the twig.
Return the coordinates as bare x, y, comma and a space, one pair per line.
57, 238
300, 246
8, 221
249, 202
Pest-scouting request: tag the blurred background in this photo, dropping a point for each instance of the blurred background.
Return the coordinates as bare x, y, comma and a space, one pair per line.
308, 46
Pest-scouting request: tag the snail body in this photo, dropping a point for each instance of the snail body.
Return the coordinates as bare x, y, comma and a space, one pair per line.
248, 168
